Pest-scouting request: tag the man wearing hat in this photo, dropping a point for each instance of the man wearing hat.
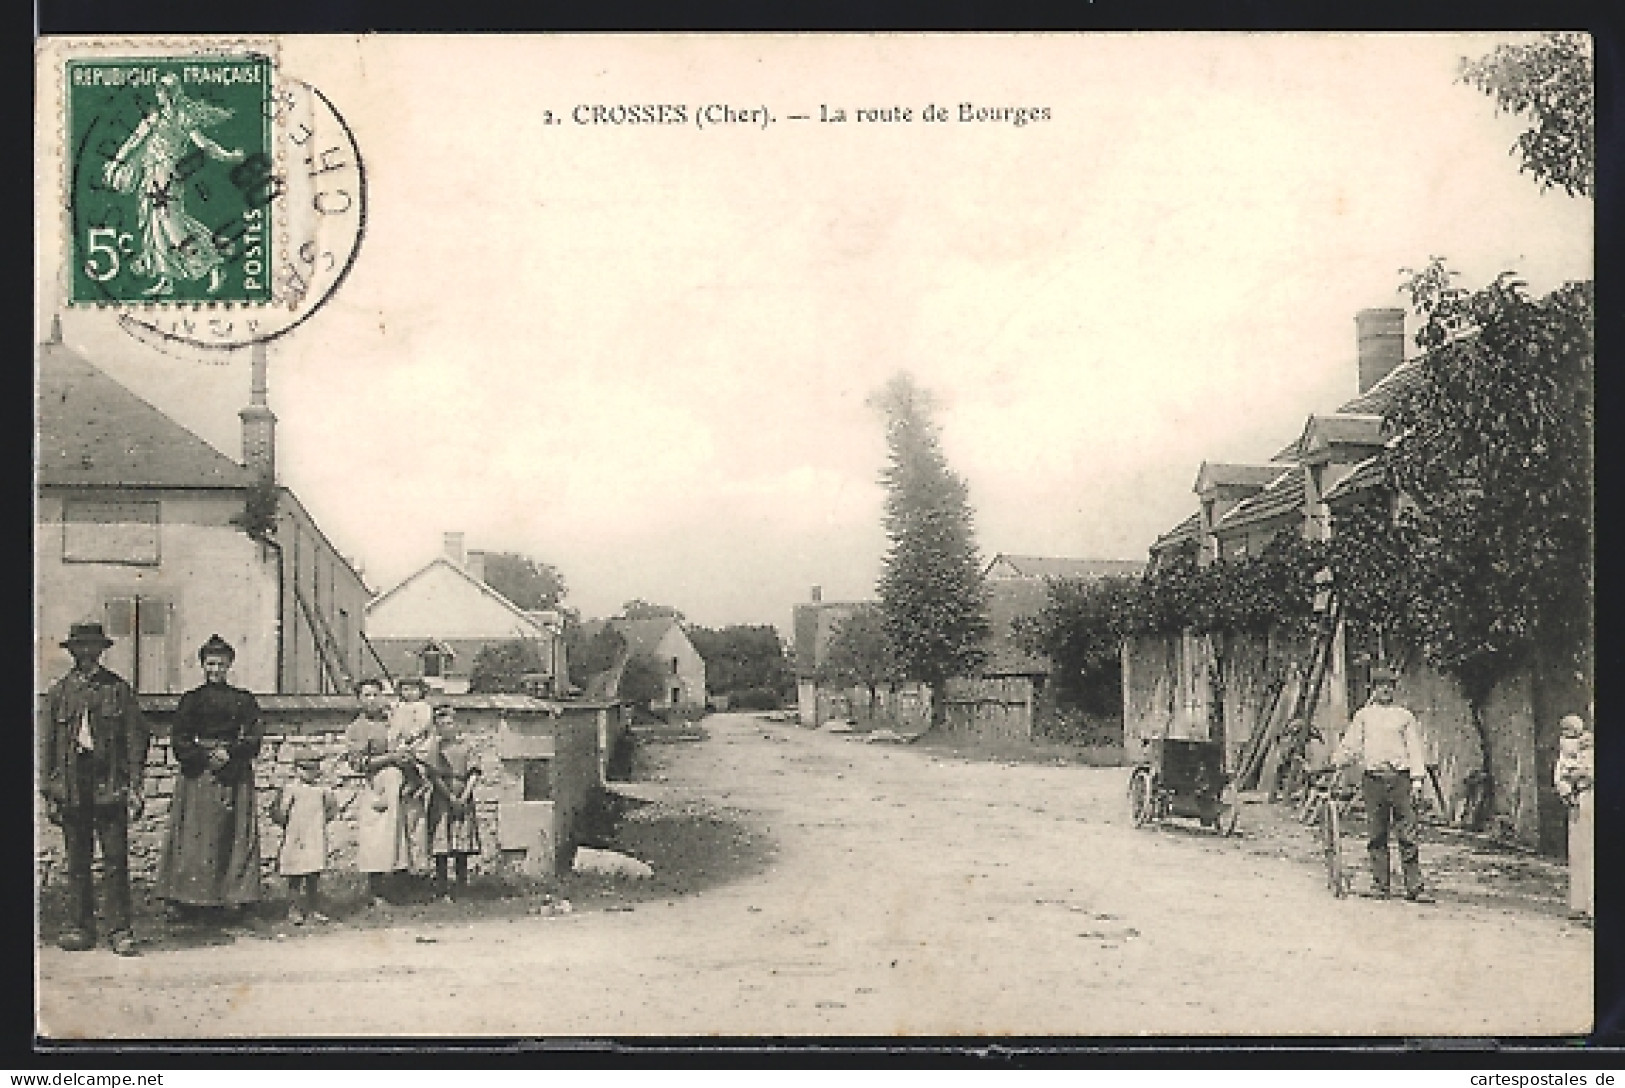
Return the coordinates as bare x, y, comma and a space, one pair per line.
93, 758
1387, 741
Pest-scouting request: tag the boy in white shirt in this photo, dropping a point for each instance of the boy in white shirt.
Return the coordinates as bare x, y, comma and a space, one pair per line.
1387, 742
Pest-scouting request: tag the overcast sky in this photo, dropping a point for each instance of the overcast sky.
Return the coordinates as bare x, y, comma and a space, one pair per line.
642, 353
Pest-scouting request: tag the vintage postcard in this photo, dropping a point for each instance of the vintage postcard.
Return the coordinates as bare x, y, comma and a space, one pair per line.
906, 535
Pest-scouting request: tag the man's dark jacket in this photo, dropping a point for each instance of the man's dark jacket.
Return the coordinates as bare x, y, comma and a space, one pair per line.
117, 728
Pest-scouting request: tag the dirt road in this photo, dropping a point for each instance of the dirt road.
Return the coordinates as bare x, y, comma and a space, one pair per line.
910, 894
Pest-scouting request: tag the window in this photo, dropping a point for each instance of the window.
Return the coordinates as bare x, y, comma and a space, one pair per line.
95, 531
433, 662
674, 666
538, 780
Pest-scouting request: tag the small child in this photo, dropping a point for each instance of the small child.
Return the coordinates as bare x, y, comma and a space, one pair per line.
454, 830
1575, 781
411, 734
304, 808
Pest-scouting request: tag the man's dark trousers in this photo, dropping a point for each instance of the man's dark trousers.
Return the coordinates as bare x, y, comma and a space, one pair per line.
82, 825
1388, 805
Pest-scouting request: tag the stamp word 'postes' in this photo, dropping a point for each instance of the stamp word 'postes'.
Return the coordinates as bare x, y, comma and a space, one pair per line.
320, 205
172, 180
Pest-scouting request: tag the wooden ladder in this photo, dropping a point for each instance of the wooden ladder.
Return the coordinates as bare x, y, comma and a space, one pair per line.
1320, 658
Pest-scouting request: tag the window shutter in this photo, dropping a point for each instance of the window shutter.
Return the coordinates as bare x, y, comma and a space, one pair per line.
120, 617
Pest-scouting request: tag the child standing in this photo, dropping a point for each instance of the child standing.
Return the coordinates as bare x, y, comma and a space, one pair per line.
304, 807
454, 830
1575, 775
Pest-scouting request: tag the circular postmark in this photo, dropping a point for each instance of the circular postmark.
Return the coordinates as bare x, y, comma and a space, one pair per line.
266, 235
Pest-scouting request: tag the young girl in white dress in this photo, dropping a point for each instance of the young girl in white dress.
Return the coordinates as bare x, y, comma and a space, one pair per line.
304, 808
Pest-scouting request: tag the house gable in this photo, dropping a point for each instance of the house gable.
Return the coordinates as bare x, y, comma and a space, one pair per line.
444, 601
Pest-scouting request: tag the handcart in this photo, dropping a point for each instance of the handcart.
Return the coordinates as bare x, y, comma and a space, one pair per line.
1183, 778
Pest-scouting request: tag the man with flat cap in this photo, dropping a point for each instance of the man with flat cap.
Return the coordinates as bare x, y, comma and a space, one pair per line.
1387, 742
93, 758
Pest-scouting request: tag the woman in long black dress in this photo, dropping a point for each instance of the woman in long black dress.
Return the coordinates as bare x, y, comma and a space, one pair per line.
211, 855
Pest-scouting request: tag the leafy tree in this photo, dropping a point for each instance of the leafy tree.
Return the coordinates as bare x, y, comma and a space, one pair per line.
932, 595
642, 610
526, 582
1081, 630
743, 658
595, 654
1551, 82
860, 652
642, 681
501, 667
1494, 460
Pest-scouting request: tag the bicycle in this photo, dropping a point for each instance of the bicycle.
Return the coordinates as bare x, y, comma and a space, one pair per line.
1326, 801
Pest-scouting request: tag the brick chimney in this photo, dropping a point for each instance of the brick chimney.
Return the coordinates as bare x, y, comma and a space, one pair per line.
1380, 336
817, 594
454, 548
476, 565
259, 422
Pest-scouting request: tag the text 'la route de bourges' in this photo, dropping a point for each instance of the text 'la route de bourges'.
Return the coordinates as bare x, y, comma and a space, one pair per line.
717, 114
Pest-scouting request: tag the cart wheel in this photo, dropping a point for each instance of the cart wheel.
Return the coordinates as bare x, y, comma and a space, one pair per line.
1229, 811
1142, 805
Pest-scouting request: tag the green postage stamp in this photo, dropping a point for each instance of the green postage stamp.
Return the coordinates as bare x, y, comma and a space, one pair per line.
171, 179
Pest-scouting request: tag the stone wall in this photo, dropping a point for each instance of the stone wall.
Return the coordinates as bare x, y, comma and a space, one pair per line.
304, 722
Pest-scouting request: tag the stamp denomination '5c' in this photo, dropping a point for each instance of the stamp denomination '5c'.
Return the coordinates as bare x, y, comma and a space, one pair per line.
172, 180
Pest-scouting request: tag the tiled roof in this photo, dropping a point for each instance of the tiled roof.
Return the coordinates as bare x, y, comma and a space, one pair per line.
1034, 566
1182, 533
1377, 400
1367, 474
643, 636
93, 432
1284, 495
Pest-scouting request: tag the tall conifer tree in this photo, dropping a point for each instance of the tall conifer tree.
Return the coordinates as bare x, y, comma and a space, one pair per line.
932, 594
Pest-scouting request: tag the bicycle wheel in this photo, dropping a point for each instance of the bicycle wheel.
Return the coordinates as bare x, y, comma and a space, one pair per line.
1229, 811
1141, 805
1337, 878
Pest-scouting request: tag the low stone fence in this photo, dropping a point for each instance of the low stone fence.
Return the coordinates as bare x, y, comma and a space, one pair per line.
317, 722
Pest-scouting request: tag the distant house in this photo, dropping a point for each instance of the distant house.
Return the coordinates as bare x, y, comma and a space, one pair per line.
815, 623
434, 622
147, 529
1012, 697
682, 669
1006, 699
1018, 588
